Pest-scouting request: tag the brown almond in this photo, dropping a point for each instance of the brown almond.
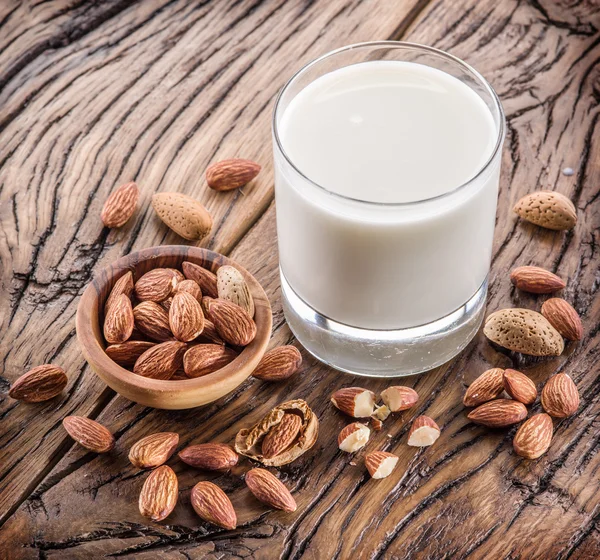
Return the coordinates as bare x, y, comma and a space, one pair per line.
486, 387
156, 285
123, 285
354, 401
89, 434
206, 279
159, 494
423, 432
209, 456
533, 437
120, 205
281, 436
232, 287
230, 174
560, 397
152, 320
563, 318
209, 333
353, 437
268, 489
398, 398
380, 464
118, 323
185, 317
519, 386
161, 361
278, 364
185, 215
39, 384
536, 280
498, 413
126, 353
232, 322
547, 209
191, 287
213, 505
153, 450
202, 359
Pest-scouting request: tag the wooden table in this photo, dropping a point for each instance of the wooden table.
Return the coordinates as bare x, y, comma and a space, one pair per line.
93, 94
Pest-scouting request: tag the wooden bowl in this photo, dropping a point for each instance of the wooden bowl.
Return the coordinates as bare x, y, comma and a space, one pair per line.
157, 393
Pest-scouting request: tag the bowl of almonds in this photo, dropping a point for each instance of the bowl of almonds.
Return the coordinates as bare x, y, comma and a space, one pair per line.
174, 327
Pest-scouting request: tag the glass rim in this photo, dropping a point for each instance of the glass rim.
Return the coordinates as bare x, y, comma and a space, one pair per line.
401, 45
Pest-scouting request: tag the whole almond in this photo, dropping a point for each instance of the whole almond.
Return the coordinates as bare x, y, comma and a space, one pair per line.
354, 401
118, 323
268, 489
232, 322
185, 317
563, 318
232, 287
202, 359
183, 214
161, 361
230, 174
498, 413
152, 320
209, 456
159, 494
560, 397
485, 388
120, 205
191, 287
533, 437
123, 285
547, 209
209, 333
519, 386
353, 437
156, 285
423, 432
525, 331
213, 505
39, 384
380, 464
89, 434
536, 280
204, 278
126, 353
281, 436
153, 450
398, 398
278, 364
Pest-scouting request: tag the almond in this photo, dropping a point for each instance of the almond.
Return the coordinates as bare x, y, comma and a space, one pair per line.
230, 174
381, 412
118, 323
205, 303
354, 401
183, 214
536, 280
156, 285
498, 413
89, 434
120, 205
278, 364
202, 359
209, 456
152, 320
126, 353
423, 432
185, 317
563, 318
560, 397
380, 464
232, 322
519, 386
159, 494
161, 361
39, 384
123, 285
191, 287
213, 505
232, 287
525, 331
376, 423
353, 437
209, 333
153, 450
281, 436
533, 437
204, 278
486, 387
547, 209
268, 489
398, 398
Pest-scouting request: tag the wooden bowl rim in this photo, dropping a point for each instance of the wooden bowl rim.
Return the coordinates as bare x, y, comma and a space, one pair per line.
97, 357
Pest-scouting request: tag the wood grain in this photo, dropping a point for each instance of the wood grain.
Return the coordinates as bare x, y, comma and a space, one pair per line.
467, 496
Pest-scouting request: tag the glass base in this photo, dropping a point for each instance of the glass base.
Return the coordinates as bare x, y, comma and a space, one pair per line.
383, 353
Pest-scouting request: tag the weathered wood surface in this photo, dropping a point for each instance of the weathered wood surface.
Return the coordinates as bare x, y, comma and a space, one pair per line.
467, 496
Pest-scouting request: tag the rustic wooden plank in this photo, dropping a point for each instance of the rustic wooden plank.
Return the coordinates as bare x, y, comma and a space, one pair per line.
150, 91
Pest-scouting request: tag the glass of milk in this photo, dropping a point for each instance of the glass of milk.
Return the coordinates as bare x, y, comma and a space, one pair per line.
387, 158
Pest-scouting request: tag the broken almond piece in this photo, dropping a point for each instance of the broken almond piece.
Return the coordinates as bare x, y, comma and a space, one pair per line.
380, 464
353, 437
381, 412
423, 432
354, 401
398, 398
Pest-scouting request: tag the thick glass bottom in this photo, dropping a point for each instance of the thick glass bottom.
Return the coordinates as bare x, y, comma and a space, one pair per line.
383, 353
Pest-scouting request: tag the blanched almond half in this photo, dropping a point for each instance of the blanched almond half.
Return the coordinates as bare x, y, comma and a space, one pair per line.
354, 401
380, 464
423, 432
353, 437
398, 398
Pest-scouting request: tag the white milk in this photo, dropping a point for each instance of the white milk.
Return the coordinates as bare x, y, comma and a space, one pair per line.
369, 141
